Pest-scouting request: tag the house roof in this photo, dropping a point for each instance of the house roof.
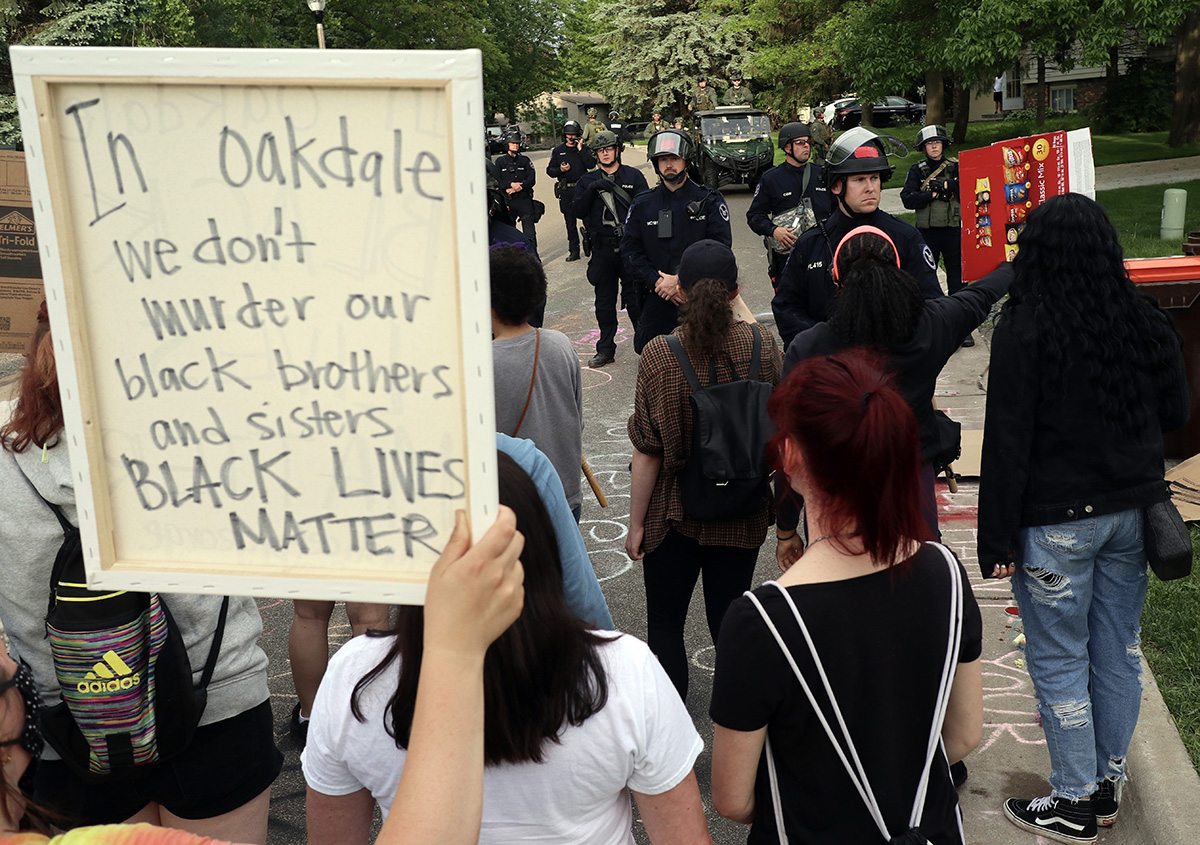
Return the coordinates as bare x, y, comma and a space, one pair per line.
580, 98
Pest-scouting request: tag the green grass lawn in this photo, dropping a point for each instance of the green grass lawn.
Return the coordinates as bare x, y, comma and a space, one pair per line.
1137, 215
1171, 643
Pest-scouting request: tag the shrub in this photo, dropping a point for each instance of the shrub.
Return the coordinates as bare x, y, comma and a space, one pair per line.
1140, 100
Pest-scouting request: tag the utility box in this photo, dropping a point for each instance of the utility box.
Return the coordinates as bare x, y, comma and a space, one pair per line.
1175, 283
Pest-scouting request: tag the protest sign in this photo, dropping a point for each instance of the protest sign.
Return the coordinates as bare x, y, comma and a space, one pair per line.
999, 185
267, 279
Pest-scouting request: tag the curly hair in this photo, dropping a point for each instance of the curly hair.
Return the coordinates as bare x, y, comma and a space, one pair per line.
518, 283
1070, 268
37, 419
878, 304
705, 318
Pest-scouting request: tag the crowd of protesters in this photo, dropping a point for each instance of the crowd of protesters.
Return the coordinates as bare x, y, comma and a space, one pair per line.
845, 693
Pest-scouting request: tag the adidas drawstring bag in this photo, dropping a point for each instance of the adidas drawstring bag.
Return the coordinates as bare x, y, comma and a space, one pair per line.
128, 697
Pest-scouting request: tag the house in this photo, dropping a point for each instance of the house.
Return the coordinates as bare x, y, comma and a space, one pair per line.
566, 105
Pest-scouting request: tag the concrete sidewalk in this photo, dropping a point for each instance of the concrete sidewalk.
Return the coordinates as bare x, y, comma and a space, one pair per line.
1161, 804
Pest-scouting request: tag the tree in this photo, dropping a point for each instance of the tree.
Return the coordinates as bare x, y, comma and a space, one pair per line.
580, 61
1185, 117
654, 50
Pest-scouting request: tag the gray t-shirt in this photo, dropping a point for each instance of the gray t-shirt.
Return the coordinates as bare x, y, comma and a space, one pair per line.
29, 540
554, 420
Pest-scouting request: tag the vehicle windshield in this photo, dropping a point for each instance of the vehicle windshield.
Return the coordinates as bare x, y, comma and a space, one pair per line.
736, 127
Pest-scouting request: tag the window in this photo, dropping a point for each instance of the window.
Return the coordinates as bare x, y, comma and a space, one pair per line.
1012, 86
1062, 99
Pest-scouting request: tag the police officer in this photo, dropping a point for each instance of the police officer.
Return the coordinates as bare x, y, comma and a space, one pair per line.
795, 183
591, 127
517, 177
617, 127
602, 200
501, 229
854, 174
703, 99
931, 189
822, 137
737, 94
677, 123
662, 223
568, 162
655, 125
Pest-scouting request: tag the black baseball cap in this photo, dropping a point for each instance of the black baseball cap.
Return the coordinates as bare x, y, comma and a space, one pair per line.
708, 259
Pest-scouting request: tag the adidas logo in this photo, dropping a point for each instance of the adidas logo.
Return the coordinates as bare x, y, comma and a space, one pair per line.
111, 674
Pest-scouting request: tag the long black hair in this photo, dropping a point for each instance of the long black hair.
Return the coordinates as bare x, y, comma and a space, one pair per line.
1070, 268
878, 305
543, 673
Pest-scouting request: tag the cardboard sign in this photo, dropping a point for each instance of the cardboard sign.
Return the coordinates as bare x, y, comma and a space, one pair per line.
999, 185
20, 271
267, 279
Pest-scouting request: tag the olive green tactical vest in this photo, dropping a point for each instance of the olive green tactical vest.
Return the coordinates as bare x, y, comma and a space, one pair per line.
939, 214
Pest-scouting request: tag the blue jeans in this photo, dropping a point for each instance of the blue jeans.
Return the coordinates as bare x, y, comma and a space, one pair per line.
1080, 589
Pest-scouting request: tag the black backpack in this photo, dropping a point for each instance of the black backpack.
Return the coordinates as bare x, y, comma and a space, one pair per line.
123, 670
726, 475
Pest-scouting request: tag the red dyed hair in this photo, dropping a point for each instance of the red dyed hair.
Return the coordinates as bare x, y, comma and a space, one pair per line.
860, 445
37, 419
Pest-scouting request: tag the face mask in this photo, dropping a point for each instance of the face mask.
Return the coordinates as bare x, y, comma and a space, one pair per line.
31, 736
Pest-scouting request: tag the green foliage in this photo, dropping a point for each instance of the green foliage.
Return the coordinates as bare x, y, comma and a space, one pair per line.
654, 50
1140, 100
10, 123
580, 61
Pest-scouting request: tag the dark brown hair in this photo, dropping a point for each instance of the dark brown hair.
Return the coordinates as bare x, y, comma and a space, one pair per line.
542, 674
37, 418
705, 318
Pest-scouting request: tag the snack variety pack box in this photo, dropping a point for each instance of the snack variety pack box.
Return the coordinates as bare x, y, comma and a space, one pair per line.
20, 269
999, 185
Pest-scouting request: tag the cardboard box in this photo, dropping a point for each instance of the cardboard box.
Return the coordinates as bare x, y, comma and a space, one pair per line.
20, 269
999, 185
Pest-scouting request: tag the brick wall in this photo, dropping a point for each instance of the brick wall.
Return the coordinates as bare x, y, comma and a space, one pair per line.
1087, 92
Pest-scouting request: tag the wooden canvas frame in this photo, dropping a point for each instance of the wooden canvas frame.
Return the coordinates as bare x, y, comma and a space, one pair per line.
383, 317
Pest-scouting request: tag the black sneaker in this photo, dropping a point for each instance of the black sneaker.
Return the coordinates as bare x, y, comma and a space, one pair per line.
600, 359
958, 774
969, 342
298, 728
1054, 818
1105, 801
574, 256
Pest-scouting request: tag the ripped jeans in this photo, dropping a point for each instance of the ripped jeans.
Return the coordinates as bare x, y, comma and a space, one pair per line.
1080, 589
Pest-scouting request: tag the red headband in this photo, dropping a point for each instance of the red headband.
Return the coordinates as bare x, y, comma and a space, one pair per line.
863, 230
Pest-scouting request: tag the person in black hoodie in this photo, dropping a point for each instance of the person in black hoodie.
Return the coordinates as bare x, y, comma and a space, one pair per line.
1086, 375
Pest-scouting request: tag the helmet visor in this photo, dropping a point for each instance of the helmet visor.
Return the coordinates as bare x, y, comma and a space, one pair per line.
850, 141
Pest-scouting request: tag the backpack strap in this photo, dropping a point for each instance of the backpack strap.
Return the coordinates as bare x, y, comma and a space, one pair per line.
690, 374
214, 650
684, 364
856, 772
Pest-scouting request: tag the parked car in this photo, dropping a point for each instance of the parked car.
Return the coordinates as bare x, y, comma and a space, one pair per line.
830, 111
887, 111
494, 135
734, 145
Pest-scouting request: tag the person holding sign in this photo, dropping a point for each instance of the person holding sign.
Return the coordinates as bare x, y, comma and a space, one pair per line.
220, 785
539, 386
573, 721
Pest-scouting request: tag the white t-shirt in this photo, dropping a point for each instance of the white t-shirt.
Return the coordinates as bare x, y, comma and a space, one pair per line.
642, 740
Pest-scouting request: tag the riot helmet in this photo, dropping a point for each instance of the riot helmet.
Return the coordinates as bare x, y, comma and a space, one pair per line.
735, 75
572, 127
512, 136
859, 151
614, 114
667, 142
591, 112
790, 132
497, 202
933, 132
605, 140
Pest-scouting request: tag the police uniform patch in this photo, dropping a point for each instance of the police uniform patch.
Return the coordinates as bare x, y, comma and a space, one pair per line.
928, 253
757, 188
725, 215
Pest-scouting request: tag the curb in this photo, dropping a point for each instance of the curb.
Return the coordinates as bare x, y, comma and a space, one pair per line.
1162, 796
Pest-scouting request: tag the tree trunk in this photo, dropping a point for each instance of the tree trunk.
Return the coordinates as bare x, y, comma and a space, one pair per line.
1110, 72
1185, 114
962, 112
868, 113
935, 98
1043, 92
